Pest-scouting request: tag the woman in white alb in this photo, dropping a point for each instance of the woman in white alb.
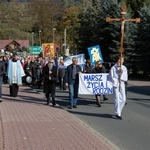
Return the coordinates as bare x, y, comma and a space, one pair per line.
118, 76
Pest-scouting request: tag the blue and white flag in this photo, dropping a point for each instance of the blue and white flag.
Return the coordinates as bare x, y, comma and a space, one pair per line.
95, 54
80, 57
95, 84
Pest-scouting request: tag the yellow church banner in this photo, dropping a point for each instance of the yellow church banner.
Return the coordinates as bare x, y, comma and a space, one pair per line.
48, 49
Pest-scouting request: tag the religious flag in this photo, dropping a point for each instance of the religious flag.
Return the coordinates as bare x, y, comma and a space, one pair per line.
48, 49
95, 54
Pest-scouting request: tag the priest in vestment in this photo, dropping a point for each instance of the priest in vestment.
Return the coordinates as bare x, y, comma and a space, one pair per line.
15, 73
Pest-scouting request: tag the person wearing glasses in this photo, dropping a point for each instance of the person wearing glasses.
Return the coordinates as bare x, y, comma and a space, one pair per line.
99, 68
88, 67
50, 74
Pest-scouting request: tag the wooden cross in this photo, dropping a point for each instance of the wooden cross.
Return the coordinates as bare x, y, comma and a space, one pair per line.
122, 20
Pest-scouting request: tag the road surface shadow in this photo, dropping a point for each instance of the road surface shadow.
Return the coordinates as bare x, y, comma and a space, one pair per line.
144, 90
92, 114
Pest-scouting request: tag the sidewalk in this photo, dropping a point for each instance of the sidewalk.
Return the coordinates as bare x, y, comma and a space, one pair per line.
26, 123
139, 83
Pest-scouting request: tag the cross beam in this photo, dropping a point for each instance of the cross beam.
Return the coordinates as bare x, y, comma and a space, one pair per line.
122, 20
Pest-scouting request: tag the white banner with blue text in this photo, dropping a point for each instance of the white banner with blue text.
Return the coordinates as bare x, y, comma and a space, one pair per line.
80, 57
95, 84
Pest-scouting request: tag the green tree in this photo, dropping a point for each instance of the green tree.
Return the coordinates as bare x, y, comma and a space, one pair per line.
94, 29
48, 15
15, 20
136, 5
143, 45
70, 21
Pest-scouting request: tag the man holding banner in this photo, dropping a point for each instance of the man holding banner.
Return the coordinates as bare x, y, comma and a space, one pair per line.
72, 81
99, 69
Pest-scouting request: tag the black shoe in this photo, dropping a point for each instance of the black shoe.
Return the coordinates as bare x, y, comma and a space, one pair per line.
48, 101
119, 117
54, 104
99, 105
105, 99
71, 107
14, 95
75, 106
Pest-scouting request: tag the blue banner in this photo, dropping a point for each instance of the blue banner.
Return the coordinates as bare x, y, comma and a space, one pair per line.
95, 54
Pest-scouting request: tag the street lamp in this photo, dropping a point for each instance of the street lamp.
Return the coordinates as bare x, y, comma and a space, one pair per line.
40, 37
32, 38
73, 38
53, 35
28, 35
65, 44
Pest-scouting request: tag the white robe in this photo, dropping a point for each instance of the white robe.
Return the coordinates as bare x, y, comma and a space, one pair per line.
118, 95
15, 72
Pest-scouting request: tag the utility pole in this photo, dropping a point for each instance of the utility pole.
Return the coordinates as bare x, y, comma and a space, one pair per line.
54, 35
40, 37
73, 38
65, 44
54, 39
32, 38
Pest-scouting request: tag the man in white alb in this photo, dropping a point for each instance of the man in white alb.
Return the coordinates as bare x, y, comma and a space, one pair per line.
118, 76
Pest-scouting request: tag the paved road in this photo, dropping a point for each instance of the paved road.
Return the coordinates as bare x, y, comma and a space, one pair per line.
132, 133
26, 123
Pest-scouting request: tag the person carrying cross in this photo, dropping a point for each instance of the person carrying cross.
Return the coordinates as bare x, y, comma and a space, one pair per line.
118, 77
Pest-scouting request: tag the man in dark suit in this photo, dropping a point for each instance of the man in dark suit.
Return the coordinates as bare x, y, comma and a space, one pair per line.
50, 74
2, 71
72, 81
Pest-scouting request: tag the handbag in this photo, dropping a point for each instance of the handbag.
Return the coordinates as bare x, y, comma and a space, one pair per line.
56, 80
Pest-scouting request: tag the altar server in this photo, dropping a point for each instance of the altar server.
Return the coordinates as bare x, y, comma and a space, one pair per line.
118, 76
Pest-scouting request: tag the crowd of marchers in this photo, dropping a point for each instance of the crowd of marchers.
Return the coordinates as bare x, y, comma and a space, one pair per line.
50, 72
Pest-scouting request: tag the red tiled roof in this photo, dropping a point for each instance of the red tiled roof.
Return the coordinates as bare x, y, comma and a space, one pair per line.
22, 43
3, 43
